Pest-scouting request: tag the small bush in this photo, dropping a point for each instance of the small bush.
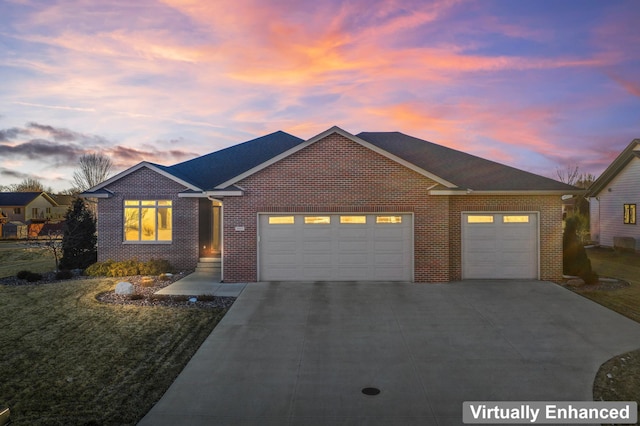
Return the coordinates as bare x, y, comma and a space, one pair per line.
155, 267
22, 275
125, 268
64, 274
29, 276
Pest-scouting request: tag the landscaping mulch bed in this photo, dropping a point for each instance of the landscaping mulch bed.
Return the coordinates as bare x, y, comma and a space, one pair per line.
602, 285
143, 295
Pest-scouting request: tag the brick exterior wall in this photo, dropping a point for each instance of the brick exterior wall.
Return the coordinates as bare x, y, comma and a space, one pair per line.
337, 175
146, 184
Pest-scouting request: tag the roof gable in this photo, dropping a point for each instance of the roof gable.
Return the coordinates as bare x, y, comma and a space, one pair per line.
204, 173
100, 188
338, 130
618, 165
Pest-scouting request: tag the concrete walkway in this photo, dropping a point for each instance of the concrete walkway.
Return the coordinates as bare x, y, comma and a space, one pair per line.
300, 353
202, 283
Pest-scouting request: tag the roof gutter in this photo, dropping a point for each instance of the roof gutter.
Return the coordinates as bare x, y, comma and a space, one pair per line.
504, 192
105, 193
212, 194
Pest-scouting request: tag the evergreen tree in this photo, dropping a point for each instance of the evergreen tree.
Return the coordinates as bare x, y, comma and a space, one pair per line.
574, 256
79, 238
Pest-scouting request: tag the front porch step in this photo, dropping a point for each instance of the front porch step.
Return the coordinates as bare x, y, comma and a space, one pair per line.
209, 265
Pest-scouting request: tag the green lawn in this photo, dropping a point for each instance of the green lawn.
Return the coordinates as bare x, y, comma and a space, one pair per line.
624, 370
625, 266
66, 358
15, 257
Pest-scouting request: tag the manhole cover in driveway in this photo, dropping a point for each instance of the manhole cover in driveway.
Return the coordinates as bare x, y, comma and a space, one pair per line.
371, 391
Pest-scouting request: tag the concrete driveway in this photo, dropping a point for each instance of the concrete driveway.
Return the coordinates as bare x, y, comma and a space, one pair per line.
301, 353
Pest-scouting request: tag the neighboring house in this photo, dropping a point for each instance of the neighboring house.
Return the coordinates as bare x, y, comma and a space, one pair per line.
372, 206
30, 207
63, 202
614, 198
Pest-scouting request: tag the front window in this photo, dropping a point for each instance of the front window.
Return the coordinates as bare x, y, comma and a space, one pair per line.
147, 220
630, 214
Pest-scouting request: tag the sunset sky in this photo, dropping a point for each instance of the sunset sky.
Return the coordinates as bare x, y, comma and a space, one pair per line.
538, 85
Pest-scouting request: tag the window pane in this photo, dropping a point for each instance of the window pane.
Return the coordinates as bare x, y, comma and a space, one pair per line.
148, 224
148, 203
479, 219
164, 224
630, 213
388, 219
353, 219
281, 220
317, 220
131, 224
131, 203
515, 219
164, 202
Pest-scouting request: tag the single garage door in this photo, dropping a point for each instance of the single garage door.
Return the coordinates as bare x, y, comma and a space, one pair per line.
335, 247
500, 245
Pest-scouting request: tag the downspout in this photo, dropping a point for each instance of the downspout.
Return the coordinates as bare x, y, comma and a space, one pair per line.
599, 221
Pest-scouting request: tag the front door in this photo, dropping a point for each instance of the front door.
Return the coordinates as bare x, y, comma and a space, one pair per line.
209, 238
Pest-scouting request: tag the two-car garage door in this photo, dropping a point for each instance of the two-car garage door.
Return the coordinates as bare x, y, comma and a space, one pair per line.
341, 247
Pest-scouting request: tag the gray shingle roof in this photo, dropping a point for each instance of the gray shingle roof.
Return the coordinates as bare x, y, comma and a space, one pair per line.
464, 170
210, 170
17, 198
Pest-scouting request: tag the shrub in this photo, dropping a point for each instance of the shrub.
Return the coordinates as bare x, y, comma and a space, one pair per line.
22, 275
79, 238
154, 267
574, 256
64, 274
29, 276
125, 268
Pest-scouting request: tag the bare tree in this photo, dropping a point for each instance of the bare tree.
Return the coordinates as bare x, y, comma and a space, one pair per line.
568, 175
585, 180
30, 185
92, 169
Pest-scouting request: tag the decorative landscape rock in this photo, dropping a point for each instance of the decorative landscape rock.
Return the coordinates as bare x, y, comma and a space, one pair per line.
124, 287
147, 282
575, 282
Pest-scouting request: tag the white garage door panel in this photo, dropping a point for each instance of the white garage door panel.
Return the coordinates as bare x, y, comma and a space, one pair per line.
302, 251
500, 249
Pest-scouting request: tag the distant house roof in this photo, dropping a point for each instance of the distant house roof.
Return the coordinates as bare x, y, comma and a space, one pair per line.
14, 199
452, 170
62, 200
629, 153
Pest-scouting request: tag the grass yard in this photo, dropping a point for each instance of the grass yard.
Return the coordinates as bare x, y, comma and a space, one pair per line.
66, 358
624, 369
15, 257
625, 266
